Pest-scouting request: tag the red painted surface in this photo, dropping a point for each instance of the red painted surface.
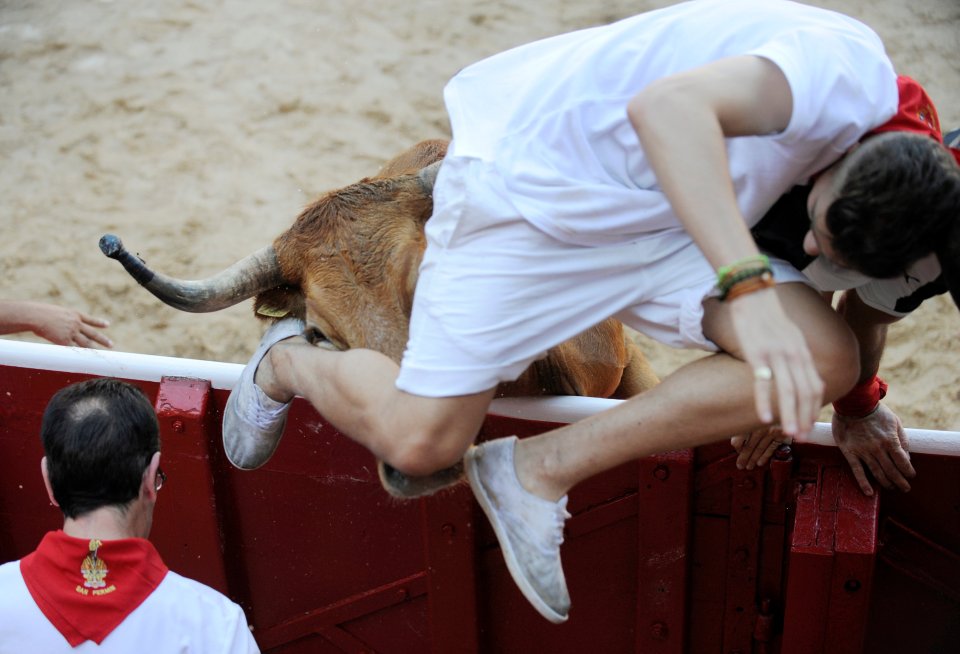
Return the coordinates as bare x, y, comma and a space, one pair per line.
678, 553
665, 499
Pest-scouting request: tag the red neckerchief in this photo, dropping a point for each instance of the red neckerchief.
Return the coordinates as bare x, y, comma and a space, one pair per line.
86, 588
915, 113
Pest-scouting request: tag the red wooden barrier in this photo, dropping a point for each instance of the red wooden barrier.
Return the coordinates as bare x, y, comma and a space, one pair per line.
676, 553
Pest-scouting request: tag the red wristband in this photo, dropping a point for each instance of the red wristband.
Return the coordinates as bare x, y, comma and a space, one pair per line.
862, 400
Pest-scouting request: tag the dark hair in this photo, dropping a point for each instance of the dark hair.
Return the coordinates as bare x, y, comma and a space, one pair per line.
897, 201
99, 436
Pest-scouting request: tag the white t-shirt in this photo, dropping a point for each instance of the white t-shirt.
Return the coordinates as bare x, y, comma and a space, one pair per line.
552, 114
180, 616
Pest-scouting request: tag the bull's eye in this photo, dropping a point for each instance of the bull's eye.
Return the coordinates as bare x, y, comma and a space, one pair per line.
313, 335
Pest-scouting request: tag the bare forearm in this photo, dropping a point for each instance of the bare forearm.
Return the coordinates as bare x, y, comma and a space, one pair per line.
18, 316
872, 344
684, 144
870, 328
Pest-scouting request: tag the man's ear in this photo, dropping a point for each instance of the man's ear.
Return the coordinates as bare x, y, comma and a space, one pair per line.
46, 481
148, 483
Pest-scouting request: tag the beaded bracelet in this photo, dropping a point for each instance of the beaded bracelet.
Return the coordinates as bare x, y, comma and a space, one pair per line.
752, 262
735, 278
759, 281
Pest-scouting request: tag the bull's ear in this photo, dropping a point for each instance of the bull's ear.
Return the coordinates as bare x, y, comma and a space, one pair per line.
280, 302
272, 312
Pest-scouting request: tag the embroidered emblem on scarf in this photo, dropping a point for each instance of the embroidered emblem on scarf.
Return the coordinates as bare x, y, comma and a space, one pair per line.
94, 569
86, 588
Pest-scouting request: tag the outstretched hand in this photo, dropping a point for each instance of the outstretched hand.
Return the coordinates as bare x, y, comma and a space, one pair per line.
879, 443
65, 326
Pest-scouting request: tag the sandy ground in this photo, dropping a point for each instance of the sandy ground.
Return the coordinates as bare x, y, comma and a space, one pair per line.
196, 131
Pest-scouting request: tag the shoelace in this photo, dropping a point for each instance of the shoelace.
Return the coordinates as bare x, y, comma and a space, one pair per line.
560, 517
261, 416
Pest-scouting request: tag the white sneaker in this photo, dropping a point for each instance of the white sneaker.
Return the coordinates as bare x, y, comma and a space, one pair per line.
529, 528
252, 422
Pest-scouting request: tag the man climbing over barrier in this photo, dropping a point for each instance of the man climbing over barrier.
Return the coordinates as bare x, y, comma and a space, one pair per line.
617, 171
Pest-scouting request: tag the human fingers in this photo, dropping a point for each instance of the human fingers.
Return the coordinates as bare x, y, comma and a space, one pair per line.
763, 392
93, 321
896, 463
798, 390
858, 473
775, 444
903, 458
893, 472
749, 444
801, 395
890, 447
94, 336
80, 340
758, 447
876, 468
786, 392
736, 442
763, 454
810, 387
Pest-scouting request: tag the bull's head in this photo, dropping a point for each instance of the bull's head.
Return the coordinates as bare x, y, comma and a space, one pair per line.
348, 265
354, 257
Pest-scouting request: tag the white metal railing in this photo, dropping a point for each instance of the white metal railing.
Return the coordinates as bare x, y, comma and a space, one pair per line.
109, 363
571, 409
144, 367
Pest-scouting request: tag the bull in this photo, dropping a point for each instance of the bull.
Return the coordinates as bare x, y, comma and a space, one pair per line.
348, 267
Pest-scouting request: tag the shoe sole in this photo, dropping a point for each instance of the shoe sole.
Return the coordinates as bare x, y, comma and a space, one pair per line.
406, 487
506, 548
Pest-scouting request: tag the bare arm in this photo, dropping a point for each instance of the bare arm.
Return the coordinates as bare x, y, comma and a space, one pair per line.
876, 441
56, 324
870, 327
681, 122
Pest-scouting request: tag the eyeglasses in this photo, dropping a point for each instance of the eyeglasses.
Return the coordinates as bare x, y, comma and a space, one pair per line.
160, 479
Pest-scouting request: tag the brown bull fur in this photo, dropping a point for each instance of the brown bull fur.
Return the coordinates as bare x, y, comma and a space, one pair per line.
351, 260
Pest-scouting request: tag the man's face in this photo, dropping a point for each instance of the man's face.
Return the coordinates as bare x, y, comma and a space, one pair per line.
818, 241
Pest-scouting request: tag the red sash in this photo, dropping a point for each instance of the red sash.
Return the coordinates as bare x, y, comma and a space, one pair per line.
916, 114
86, 588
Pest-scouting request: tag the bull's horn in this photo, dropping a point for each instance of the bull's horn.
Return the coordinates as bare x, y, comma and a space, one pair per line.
428, 176
244, 279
